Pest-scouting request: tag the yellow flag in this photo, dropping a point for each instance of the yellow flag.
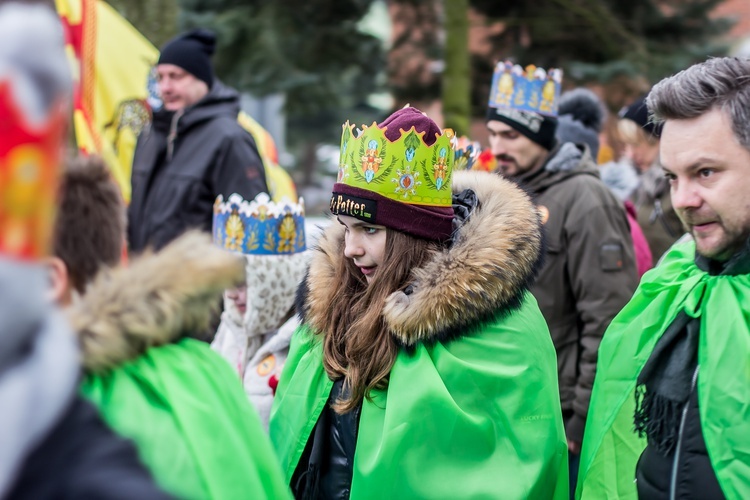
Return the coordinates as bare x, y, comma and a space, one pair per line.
111, 63
280, 184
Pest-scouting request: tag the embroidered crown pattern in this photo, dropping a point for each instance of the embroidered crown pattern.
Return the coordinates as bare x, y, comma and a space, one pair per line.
406, 170
29, 161
260, 226
532, 89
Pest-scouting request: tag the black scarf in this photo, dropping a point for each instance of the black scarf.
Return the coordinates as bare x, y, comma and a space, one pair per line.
664, 385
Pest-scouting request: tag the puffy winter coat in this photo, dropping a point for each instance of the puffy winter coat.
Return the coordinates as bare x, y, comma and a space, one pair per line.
256, 343
589, 272
173, 396
183, 161
53, 444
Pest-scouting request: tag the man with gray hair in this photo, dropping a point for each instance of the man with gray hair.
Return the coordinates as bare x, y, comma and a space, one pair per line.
670, 410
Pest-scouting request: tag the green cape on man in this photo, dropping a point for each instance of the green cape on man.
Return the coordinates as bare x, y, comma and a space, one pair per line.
722, 303
193, 426
477, 417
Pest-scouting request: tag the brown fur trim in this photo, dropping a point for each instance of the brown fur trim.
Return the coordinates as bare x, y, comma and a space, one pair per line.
484, 274
320, 279
157, 299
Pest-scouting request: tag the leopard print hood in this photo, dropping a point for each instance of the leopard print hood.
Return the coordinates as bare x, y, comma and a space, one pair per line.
271, 284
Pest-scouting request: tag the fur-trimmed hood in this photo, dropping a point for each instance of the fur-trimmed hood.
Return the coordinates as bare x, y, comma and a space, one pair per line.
484, 274
156, 299
271, 283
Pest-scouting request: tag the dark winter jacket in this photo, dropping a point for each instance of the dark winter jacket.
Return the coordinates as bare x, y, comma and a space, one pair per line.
82, 458
330, 450
589, 272
183, 161
687, 470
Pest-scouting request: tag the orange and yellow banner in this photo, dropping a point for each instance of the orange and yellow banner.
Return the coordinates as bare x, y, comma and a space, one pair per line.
111, 63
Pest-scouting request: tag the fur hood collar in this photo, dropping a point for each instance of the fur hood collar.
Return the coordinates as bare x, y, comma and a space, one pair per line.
483, 275
157, 299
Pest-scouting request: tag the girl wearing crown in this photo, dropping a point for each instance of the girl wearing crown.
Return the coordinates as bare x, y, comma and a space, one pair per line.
423, 368
258, 318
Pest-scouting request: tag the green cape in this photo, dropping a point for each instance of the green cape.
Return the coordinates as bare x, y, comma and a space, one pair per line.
192, 424
478, 417
610, 447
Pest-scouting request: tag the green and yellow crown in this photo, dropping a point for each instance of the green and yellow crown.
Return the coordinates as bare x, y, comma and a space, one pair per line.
406, 170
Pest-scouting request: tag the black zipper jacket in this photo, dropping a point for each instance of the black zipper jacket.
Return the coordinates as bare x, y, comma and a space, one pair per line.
183, 161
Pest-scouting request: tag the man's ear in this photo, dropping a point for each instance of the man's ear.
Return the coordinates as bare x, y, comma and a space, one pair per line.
59, 281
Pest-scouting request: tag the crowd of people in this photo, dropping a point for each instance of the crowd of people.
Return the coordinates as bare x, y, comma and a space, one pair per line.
558, 327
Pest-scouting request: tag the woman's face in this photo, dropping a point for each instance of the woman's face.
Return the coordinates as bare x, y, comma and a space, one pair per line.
239, 297
364, 243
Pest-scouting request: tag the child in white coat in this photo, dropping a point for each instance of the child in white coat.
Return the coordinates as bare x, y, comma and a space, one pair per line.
258, 318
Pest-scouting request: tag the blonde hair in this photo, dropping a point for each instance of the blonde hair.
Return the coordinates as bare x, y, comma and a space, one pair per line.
629, 132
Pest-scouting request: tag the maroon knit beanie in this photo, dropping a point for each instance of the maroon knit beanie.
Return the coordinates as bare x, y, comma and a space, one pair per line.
406, 118
423, 221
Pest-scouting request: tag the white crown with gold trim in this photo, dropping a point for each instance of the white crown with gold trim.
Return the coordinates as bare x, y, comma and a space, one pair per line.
260, 226
532, 89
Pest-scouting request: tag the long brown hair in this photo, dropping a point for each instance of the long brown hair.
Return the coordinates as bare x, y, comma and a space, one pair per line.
357, 345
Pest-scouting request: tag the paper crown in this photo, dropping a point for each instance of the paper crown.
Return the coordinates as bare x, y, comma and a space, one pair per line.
30, 155
260, 226
406, 170
466, 152
532, 89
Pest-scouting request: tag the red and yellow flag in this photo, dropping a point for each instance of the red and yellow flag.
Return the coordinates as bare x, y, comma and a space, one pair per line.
111, 62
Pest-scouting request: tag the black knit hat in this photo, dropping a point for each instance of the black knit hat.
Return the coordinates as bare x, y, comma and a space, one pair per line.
192, 52
537, 127
637, 111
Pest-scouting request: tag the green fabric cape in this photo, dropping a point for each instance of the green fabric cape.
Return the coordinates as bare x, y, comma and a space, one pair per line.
611, 448
478, 417
193, 426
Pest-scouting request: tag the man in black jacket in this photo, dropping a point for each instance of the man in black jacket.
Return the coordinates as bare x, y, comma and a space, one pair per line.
193, 151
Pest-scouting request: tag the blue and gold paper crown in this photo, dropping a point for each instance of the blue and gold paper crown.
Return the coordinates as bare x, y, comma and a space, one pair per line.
259, 227
532, 89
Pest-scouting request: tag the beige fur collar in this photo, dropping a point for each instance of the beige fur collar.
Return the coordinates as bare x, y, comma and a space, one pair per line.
158, 298
494, 258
